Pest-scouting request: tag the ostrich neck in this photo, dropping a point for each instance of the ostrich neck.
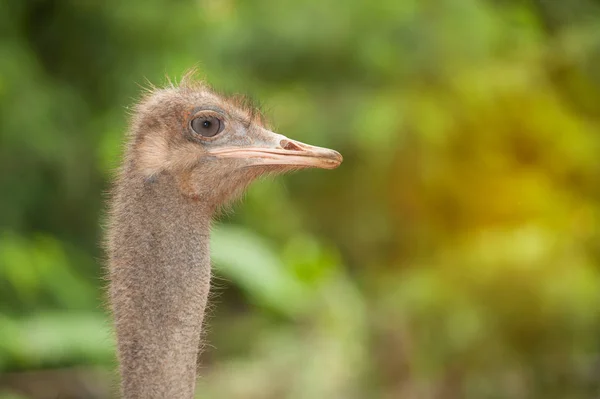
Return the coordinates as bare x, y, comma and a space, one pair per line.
159, 269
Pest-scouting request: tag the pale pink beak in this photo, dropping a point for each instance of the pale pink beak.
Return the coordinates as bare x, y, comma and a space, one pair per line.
279, 150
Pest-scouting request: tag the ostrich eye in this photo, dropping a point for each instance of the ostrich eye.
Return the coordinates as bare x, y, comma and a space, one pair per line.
207, 126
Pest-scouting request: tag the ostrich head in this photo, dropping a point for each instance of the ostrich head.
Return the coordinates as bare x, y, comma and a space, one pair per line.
213, 145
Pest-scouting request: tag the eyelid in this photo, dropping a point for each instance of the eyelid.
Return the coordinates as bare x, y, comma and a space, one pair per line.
208, 113
208, 110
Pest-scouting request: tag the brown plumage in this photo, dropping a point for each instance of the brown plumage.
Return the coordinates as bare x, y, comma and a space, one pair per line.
189, 151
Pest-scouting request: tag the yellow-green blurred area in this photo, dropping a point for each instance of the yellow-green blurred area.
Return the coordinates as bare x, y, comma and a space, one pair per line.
454, 254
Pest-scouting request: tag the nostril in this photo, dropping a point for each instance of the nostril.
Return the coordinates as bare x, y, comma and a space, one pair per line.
289, 145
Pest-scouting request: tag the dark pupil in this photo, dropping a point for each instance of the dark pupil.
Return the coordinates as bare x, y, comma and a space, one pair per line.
206, 124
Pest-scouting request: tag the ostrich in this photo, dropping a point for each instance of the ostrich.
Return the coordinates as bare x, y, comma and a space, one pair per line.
189, 151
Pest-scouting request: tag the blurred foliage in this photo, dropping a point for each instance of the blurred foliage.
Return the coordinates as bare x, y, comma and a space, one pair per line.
455, 254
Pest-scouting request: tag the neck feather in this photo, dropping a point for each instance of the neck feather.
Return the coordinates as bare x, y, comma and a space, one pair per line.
159, 271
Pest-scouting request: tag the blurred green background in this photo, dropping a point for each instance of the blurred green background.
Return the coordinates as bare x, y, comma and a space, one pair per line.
454, 254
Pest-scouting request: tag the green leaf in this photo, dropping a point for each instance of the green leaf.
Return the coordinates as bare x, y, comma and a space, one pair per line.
253, 265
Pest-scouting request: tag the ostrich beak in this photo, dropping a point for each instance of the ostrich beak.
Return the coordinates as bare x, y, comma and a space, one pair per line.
276, 149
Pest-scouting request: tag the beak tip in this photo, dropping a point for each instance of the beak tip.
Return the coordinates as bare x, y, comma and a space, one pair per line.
337, 158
